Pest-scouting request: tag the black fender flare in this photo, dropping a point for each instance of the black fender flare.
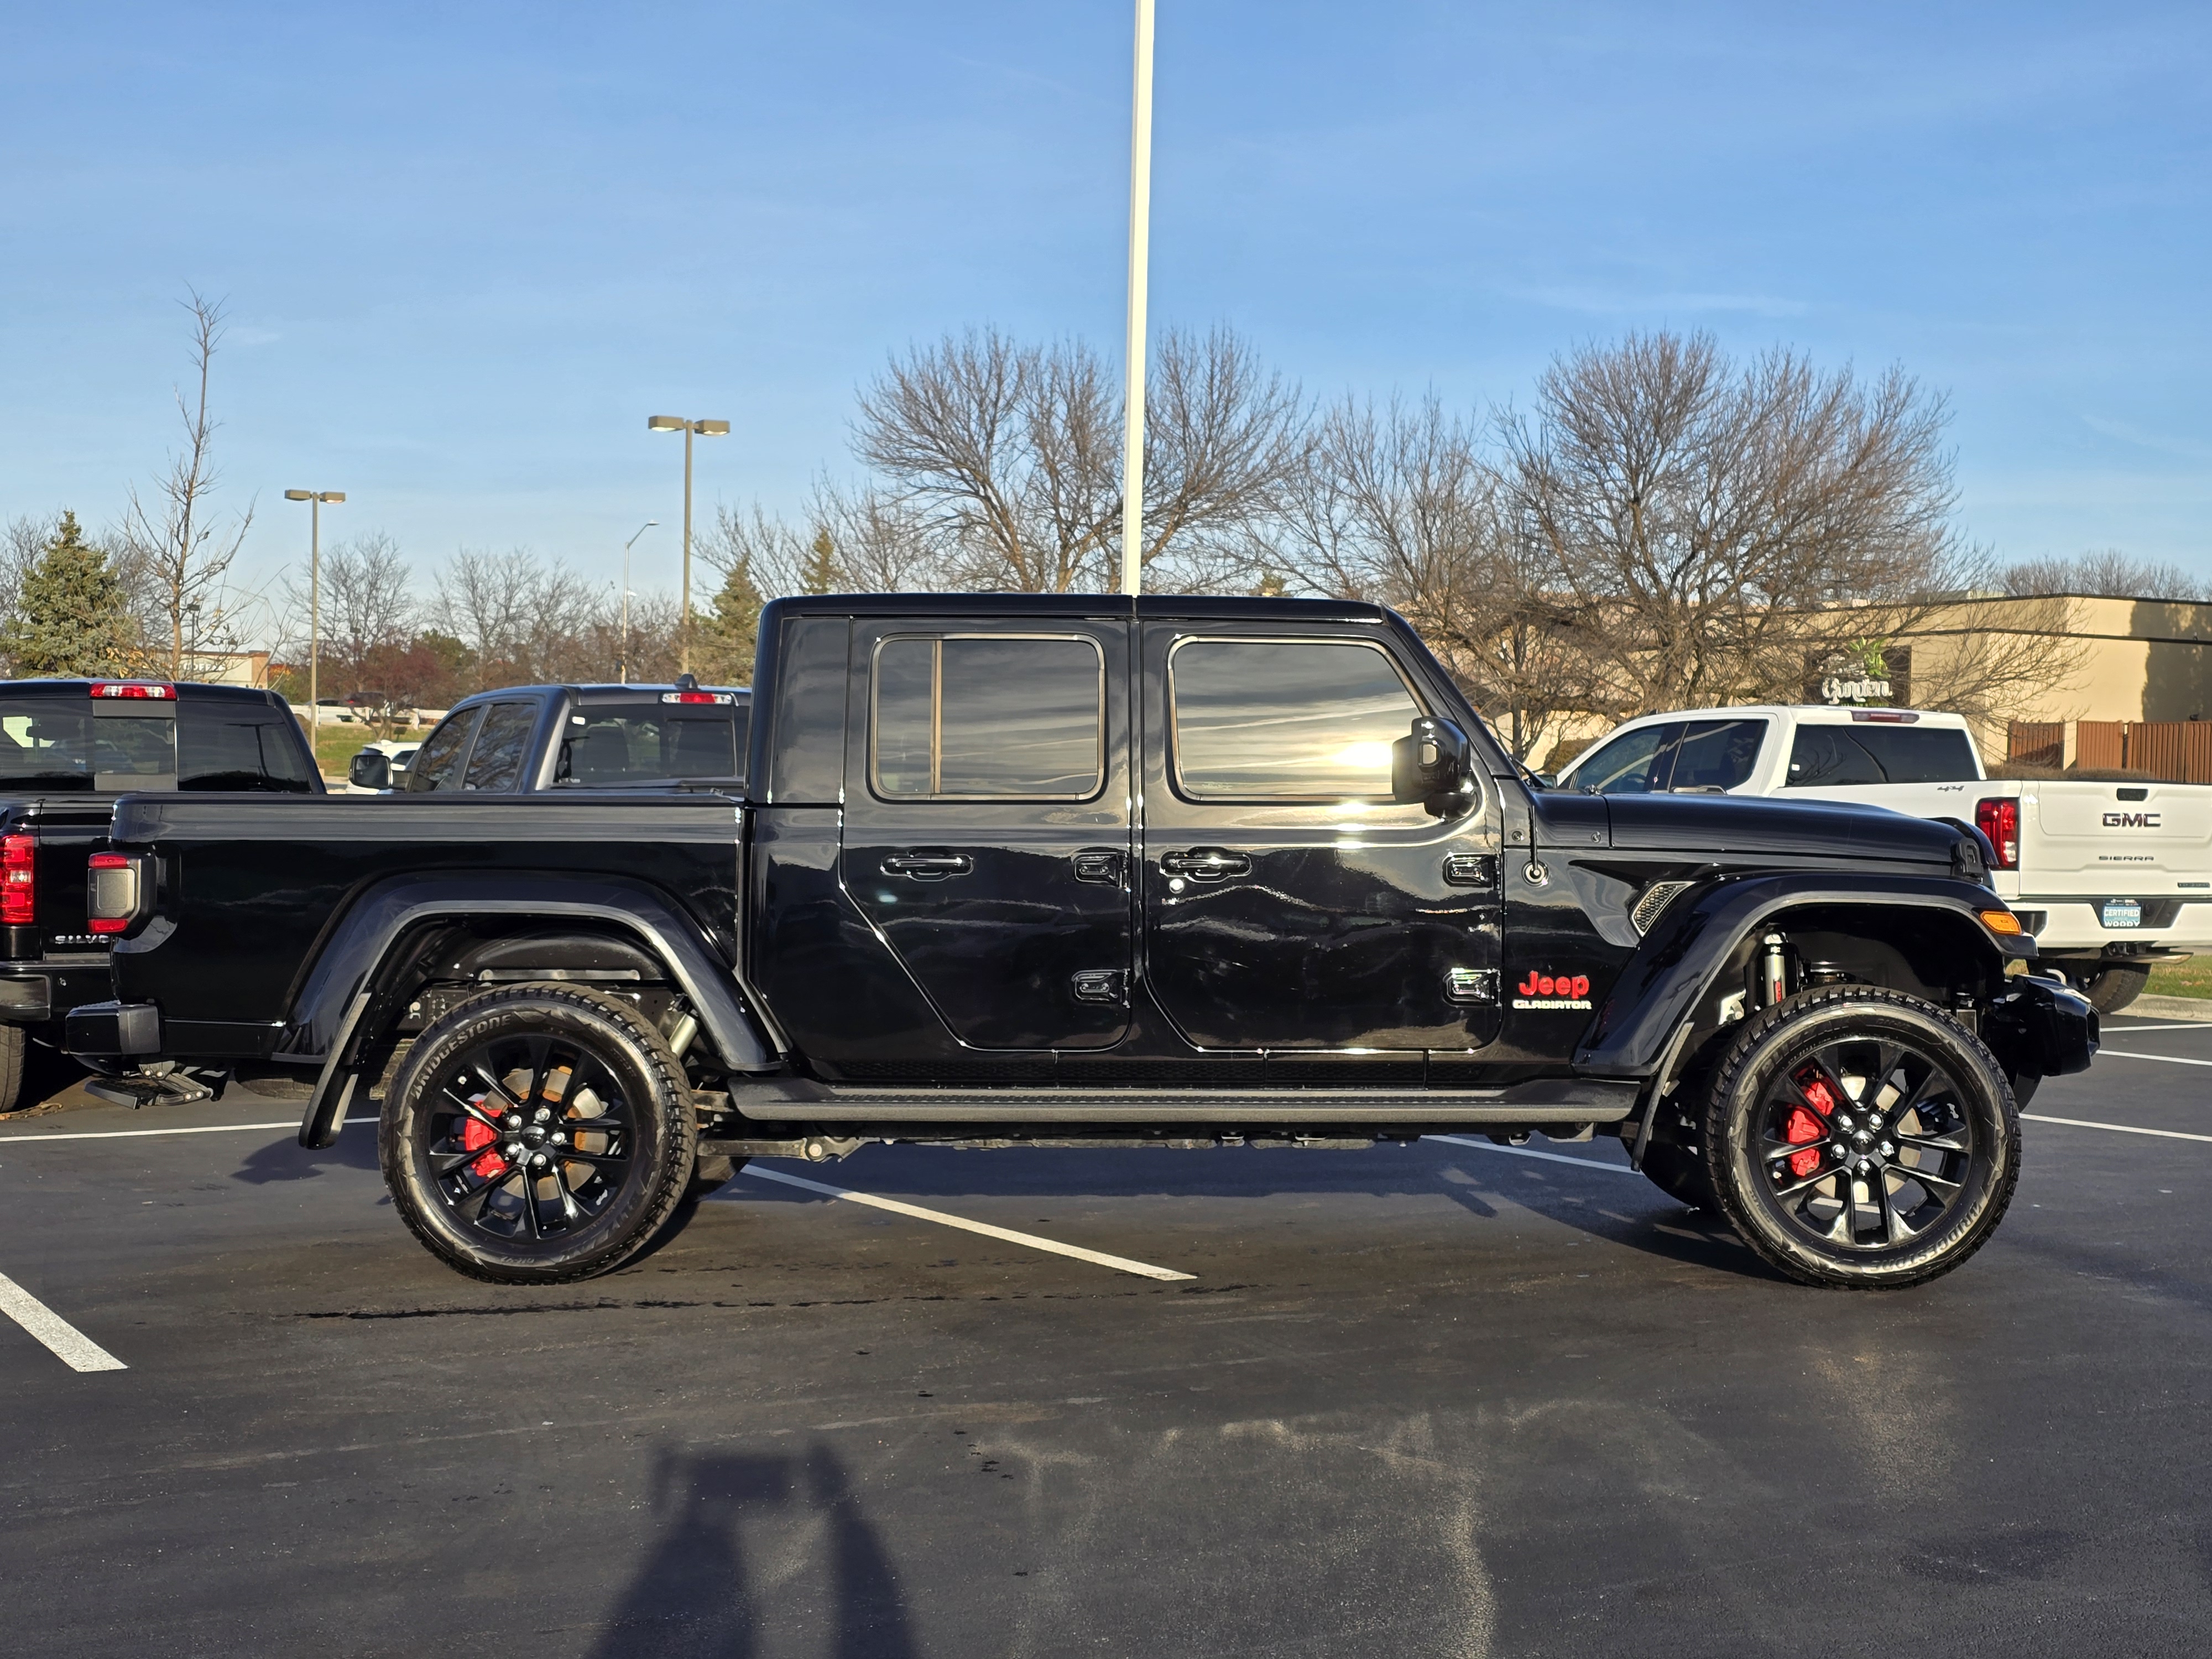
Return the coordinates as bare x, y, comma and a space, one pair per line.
344, 1004
1665, 981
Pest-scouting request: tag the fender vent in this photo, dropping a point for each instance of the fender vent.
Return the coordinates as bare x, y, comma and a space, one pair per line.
1656, 898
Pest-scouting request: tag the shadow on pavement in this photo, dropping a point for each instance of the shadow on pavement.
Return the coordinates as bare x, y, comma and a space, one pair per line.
736, 1529
288, 1160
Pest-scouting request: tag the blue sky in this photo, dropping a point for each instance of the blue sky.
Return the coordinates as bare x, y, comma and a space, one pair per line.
469, 248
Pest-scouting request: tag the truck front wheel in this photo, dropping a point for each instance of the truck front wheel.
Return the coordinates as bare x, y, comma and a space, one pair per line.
1857, 1137
537, 1135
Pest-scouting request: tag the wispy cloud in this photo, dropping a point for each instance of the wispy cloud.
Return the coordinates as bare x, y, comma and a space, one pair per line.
2186, 449
1602, 302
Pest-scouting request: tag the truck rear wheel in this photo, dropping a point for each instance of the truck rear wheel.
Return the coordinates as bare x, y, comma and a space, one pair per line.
2115, 985
14, 1044
1856, 1137
537, 1135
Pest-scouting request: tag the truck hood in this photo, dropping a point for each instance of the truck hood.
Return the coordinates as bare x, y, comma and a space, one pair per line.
1721, 825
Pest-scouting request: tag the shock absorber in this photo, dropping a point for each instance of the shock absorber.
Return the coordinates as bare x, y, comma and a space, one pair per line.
1776, 967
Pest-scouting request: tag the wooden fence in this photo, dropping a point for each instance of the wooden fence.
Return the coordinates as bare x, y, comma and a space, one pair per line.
2175, 751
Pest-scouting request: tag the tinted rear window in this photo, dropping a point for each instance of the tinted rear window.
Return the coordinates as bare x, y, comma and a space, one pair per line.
1828, 756
219, 748
608, 745
50, 743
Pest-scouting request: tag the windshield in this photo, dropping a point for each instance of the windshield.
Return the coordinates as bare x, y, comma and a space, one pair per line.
1682, 757
609, 746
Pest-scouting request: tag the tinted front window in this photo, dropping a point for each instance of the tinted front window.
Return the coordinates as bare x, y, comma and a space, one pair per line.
437, 764
989, 715
1256, 719
1716, 754
218, 749
1829, 757
57, 745
496, 763
609, 746
1634, 764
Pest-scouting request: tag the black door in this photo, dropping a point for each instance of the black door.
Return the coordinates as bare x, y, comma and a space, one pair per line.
1289, 902
987, 822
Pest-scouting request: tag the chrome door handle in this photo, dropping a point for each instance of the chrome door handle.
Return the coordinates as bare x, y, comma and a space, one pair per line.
1205, 864
928, 866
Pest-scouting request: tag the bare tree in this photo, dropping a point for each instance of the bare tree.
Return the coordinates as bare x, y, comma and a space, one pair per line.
1708, 528
1400, 507
2105, 572
179, 555
516, 618
1008, 456
368, 613
23, 543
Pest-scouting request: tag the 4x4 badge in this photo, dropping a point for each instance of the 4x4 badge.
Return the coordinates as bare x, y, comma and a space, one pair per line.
1541, 990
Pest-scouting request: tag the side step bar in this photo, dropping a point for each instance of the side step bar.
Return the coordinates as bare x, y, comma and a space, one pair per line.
1548, 1100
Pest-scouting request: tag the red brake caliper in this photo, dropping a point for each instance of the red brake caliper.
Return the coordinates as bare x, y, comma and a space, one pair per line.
476, 1134
1803, 1126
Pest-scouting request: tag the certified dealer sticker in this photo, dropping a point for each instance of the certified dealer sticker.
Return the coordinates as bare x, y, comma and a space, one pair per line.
1542, 990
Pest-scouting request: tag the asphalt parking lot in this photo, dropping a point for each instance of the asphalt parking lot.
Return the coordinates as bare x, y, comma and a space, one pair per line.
1441, 1398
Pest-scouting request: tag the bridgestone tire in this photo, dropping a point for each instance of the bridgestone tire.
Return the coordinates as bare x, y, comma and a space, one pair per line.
2112, 988
600, 1072
1762, 1071
14, 1043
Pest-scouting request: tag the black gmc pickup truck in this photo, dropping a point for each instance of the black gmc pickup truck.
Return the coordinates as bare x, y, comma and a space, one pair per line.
68, 749
1094, 871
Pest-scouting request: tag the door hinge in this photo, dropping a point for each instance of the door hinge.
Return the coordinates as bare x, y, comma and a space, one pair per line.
1475, 985
1471, 870
1106, 985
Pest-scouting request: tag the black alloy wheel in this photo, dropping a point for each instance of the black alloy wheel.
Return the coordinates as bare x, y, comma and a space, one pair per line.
1858, 1137
539, 1135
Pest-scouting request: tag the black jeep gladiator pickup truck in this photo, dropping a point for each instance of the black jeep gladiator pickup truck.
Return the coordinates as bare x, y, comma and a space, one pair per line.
1082, 870
68, 749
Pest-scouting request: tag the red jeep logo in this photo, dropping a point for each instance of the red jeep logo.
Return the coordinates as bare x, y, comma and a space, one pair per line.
1543, 990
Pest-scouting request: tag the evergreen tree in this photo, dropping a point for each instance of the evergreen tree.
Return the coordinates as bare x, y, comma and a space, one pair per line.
820, 575
70, 618
723, 640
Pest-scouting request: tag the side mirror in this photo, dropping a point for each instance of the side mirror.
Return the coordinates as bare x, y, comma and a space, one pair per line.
1434, 764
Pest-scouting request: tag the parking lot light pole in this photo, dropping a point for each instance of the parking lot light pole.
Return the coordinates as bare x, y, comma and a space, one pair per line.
624, 668
315, 498
1140, 213
689, 429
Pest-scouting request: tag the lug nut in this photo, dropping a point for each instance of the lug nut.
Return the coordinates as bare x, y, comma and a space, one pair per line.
542, 1114
560, 1139
513, 1149
1888, 1151
515, 1119
538, 1161
1844, 1120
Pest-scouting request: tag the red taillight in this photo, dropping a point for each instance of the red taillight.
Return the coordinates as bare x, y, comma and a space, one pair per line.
697, 696
150, 690
1999, 821
19, 902
110, 893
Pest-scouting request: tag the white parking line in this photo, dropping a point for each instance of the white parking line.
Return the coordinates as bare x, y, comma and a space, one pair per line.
1523, 1151
2171, 1060
133, 1134
1119, 1263
75, 1350
2187, 1025
2117, 1128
